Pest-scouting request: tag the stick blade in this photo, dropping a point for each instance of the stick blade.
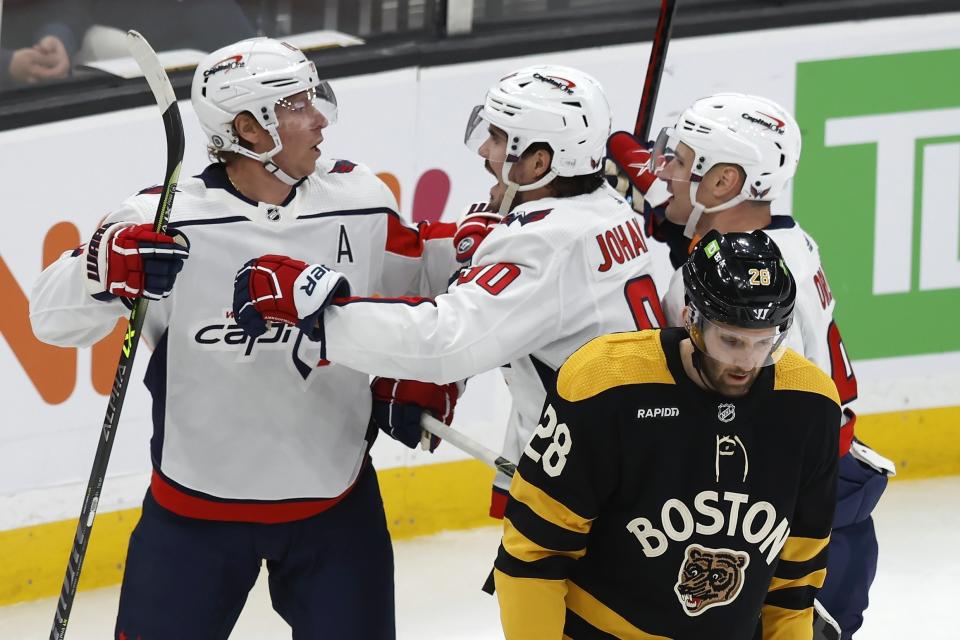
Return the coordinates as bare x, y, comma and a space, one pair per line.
153, 71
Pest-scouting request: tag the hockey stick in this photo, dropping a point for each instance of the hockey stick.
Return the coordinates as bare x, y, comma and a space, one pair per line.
651, 84
467, 445
159, 83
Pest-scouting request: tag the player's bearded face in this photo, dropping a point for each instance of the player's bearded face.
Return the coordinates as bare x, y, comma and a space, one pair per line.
728, 380
494, 152
733, 356
300, 125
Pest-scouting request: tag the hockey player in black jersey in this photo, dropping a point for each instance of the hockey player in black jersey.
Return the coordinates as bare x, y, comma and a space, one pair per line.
681, 482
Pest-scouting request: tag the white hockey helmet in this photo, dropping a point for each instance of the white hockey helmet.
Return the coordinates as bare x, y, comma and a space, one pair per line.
560, 106
255, 75
755, 133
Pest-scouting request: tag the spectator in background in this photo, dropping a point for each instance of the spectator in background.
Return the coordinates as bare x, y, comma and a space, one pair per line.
39, 39
175, 24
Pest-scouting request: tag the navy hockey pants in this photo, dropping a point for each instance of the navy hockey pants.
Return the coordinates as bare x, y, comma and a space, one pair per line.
331, 575
852, 560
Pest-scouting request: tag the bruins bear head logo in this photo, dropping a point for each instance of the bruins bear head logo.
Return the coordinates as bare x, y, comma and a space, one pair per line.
710, 578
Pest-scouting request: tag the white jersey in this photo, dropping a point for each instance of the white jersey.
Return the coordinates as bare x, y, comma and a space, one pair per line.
555, 273
260, 420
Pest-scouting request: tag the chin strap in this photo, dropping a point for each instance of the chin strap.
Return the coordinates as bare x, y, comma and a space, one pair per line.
698, 209
279, 174
513, 187
508, 199
266, 159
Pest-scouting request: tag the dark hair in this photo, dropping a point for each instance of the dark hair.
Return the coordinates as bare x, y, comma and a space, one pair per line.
568, 186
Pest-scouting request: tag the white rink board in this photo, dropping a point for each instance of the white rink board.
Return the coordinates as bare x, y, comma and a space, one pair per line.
404, 122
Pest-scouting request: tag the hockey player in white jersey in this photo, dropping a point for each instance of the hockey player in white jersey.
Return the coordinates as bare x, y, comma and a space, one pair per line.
260, 447
568, 261
727, 158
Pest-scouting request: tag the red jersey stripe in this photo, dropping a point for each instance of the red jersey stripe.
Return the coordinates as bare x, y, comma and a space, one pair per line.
173, 499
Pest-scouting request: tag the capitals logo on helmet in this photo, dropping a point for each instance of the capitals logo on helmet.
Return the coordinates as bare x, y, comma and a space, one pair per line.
233, 62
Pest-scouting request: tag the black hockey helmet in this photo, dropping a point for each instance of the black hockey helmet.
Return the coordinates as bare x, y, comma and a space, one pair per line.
740, 279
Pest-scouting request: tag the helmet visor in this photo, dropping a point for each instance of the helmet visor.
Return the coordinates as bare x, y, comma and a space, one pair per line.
664, 149
484, 138
672, 162
321, 97
745, 349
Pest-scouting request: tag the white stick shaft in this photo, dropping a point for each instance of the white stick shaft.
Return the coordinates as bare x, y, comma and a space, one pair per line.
467, 445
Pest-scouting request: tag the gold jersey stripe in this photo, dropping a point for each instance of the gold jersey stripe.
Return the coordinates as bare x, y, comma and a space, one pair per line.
522, 548
814, 579
795, 373
614, 360
786, 624
546, 507
530, 608
603, 617
798, 549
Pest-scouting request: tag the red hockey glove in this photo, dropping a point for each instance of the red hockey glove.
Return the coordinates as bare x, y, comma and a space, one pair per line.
128, 260
398, 405
472, 228
631, 157
281, 289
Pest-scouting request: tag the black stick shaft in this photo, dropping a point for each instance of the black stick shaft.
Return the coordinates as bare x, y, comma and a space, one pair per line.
173, 127
651, 84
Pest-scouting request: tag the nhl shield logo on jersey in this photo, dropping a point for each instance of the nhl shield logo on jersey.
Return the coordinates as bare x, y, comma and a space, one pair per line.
726, 412
710, 578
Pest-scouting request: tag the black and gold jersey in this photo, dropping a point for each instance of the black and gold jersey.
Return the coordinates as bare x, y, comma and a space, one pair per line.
646, 507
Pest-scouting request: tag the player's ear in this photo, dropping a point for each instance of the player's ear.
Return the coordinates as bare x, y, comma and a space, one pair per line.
542, 160
248, 129
727, 182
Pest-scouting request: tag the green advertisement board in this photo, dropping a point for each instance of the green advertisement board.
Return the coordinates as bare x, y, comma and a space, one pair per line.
878, 187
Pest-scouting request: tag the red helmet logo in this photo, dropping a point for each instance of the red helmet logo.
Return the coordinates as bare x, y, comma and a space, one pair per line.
560, 83
233, 62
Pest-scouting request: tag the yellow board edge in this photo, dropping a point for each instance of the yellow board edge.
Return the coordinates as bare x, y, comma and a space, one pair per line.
418, 500
423, 500
923, 443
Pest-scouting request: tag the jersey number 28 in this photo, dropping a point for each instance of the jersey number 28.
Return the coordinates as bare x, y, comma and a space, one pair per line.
555, 456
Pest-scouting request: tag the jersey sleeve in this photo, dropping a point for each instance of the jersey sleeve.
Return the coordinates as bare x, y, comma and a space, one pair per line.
62, 312
787, 612
418, 261
563, 479
507, 304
